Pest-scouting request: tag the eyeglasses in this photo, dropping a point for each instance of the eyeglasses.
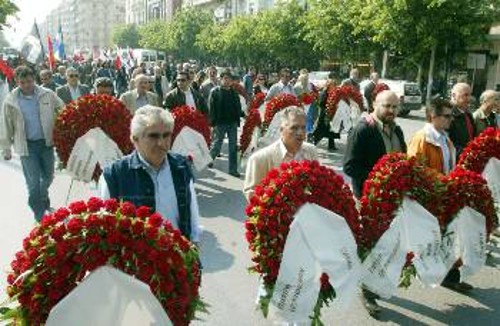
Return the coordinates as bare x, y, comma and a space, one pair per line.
157, 135
73, 76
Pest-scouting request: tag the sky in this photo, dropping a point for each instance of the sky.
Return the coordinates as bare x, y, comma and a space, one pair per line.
28, 11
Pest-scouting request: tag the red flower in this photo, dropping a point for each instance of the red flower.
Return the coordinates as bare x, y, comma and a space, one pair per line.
271, 210
276, 104
345, 93
186, 116
480, 150
61, 251
380, 87
88, 112
127, 209
309, 98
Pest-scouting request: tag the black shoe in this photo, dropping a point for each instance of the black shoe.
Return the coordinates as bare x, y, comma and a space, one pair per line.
369, 302
461, 287
371, 306
235, 174
210, 165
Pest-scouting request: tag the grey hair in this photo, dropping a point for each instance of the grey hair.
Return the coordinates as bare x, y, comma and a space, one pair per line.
147, 116
290, 111
489, 95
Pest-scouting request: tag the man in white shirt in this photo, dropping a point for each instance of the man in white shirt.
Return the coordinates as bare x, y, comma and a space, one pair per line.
290, 147
283, 86
183, 94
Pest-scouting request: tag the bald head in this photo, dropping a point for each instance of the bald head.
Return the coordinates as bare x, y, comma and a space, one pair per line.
386, 106
490, 101
460, 95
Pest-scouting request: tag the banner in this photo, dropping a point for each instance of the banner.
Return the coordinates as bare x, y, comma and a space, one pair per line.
415, 230
108, 296
465, 238
491, 174
191, 143
319, 241
341, 118
92, 148
273, 131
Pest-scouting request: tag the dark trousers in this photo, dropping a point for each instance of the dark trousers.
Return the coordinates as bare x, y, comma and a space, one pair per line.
220, 131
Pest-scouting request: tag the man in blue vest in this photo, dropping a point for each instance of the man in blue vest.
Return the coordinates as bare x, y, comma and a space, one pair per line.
152, 176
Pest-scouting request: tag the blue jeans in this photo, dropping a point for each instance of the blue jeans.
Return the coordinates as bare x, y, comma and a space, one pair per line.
220, 132
38, 169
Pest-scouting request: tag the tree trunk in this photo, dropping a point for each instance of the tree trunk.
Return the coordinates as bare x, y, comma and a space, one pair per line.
419, 74
384, 63
431, 74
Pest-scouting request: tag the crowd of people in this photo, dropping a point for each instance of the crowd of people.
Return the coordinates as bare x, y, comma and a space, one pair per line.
155, 177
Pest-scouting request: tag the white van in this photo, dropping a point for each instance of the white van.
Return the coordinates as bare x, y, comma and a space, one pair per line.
409, 94
148, 56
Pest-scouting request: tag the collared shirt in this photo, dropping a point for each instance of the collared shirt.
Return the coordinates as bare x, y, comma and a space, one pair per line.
189, 98
75, 92
391, 140
441, 137
141, 100
165, 198
288, 89
30, 109
286, 156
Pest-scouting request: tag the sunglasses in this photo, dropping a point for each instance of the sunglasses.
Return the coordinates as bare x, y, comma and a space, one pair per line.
73, 76
157, 135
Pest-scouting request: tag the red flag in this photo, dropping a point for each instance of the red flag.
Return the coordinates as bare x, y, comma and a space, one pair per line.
6, 70
118, 62
52, 59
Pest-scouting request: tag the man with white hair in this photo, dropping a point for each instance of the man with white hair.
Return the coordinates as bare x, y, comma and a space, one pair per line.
152, 176
140, 96
290, 147
368, 91
73, 89
485, 116
462, 128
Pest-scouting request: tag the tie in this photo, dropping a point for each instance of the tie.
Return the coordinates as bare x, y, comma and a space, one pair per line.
469, 126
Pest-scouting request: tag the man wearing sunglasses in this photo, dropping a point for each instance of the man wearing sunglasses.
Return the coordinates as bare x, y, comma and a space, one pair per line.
432, 142
152, 176
73, 89
184, 94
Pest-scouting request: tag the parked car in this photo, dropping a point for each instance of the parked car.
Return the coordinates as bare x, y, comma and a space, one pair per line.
409, 94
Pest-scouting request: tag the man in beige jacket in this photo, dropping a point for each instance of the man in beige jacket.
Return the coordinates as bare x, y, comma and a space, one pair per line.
140, 96
290, 147
27, 120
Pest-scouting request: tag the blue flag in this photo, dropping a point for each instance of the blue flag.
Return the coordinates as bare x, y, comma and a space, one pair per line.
60, 54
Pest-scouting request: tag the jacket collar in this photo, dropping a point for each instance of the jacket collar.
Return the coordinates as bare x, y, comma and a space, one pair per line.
432, 135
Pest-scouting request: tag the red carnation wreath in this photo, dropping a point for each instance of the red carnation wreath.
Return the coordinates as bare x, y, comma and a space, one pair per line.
252, 121
380, 87
73, 241
393, 177
310, 97
270, 212
186, 116
278, 103
467, 188
480, 150
88, 112
345, 93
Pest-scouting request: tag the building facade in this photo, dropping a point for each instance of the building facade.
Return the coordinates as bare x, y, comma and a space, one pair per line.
84, 24
141, 12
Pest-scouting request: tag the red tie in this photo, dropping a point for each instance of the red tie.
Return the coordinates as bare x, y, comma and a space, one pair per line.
469, 126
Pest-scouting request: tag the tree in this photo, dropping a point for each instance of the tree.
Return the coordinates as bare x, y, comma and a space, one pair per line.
126, 36
154, 35
420, 29
7, 8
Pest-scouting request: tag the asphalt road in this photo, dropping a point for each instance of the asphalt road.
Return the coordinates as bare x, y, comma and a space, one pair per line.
227, 286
